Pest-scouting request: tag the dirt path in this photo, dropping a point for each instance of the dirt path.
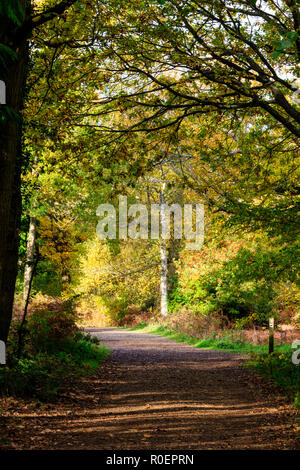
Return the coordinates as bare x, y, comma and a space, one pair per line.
153, 393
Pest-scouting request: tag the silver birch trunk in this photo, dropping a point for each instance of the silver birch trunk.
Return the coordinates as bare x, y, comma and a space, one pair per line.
29, 256
164, 261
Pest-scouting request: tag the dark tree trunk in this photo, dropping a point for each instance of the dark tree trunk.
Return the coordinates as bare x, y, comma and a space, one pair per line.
10, 163
9, 262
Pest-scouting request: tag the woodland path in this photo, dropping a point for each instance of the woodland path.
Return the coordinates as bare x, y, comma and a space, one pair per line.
153, 393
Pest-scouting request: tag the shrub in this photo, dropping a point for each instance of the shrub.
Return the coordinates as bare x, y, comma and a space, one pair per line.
279, 368
50, 329
38, 377
135, 316
242, 280
55, 350
188, 322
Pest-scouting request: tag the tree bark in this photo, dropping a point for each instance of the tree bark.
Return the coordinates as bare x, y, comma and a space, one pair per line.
29, 256
21, 328
10, 164
164, 261
163, 280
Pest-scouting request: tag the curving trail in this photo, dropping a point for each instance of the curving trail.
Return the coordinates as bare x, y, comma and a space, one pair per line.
153, 393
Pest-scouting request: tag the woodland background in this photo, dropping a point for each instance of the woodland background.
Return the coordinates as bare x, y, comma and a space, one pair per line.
107, 98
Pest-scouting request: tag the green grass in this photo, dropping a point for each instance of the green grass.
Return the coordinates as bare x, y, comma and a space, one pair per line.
226, 343
276, 368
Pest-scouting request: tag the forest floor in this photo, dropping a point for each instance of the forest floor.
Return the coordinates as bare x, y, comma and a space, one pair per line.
153, 393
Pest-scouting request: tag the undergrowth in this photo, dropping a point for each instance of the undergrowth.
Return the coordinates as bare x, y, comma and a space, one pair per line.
55, 352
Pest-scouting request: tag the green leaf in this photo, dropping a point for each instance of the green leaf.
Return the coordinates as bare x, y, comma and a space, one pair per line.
285, 44
12, 10
292, 35
276, 54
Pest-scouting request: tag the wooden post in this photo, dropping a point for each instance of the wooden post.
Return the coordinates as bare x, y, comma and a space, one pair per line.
271, 335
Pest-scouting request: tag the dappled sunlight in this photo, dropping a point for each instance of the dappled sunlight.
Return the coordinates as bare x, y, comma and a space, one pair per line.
162, 396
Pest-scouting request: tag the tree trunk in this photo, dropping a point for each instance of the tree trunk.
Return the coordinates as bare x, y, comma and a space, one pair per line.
65, 278
21, 332
29, 256
163, 280
9, 261
10, 163
164, 261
